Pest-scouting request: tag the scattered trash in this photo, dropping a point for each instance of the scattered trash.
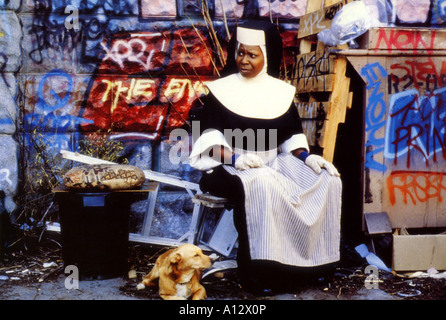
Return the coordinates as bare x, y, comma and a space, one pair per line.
413, 284
52, 226
49, 264
25, 267
371, 258
353, 20
132, 274
431, 273
219, 274
409, 293
214, 256
221, 265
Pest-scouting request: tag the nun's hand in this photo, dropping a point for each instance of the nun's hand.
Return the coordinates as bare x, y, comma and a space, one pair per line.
317, 163
248, 160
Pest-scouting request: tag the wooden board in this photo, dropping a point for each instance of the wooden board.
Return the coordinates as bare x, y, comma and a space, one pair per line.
339, 102
404, 166
317, 71
313, 64
313, 109
317, 18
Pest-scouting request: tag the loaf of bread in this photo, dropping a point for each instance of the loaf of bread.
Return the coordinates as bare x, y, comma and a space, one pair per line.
104, 177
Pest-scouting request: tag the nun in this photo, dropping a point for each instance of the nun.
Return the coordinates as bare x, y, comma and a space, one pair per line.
252, 150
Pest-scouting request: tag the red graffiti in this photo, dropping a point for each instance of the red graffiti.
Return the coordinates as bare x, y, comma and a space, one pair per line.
134, 89
148, 81
405, 40
416, 186
422, 75
180, 52
141, 104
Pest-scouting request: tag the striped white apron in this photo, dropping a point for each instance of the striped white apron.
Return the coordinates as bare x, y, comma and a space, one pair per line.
292, 214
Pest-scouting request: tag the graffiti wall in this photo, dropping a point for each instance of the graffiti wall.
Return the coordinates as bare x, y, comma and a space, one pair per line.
133, 69
130, 69
405, 126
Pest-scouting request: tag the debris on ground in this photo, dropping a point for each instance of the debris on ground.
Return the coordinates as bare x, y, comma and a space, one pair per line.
41, 261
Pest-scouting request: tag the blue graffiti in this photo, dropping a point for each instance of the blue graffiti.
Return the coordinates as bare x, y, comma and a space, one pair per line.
6, 121
441, 9
60, 101
416, 125
375, 114
47, 119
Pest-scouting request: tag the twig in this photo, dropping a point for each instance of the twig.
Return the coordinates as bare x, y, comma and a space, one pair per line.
13, 267
212, 34
207, 49
50, 274
225, 19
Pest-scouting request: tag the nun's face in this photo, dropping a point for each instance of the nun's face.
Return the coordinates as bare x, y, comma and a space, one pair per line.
249, 60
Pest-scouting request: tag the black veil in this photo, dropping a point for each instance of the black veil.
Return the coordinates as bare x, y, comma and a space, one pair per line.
274, 48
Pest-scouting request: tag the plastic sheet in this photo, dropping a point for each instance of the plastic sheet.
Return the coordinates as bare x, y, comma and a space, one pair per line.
371, 258
353, 20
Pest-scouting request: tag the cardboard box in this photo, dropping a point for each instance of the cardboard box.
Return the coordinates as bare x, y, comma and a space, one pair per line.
419, 252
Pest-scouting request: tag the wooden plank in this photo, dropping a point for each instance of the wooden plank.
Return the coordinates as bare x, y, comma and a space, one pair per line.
210, 198
337, 109
313, 63
305, 44
322, 83
349, 100
313, 5
317, 20
312, 109
318, 71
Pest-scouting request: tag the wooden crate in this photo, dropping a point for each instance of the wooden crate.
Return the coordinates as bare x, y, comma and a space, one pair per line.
322, 88
403, 70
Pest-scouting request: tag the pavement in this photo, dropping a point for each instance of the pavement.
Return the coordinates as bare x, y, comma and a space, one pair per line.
123, 290
63, 288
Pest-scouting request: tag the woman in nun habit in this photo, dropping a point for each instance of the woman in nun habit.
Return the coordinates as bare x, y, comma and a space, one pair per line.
252, 151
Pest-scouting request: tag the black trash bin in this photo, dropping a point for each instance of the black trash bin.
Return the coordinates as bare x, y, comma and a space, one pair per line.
95, 232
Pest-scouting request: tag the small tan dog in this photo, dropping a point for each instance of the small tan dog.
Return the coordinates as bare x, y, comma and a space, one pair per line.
179, 271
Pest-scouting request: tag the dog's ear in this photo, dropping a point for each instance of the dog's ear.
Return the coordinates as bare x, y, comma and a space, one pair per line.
177, 257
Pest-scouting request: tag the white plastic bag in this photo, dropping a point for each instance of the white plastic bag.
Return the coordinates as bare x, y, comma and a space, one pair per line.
351, 21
